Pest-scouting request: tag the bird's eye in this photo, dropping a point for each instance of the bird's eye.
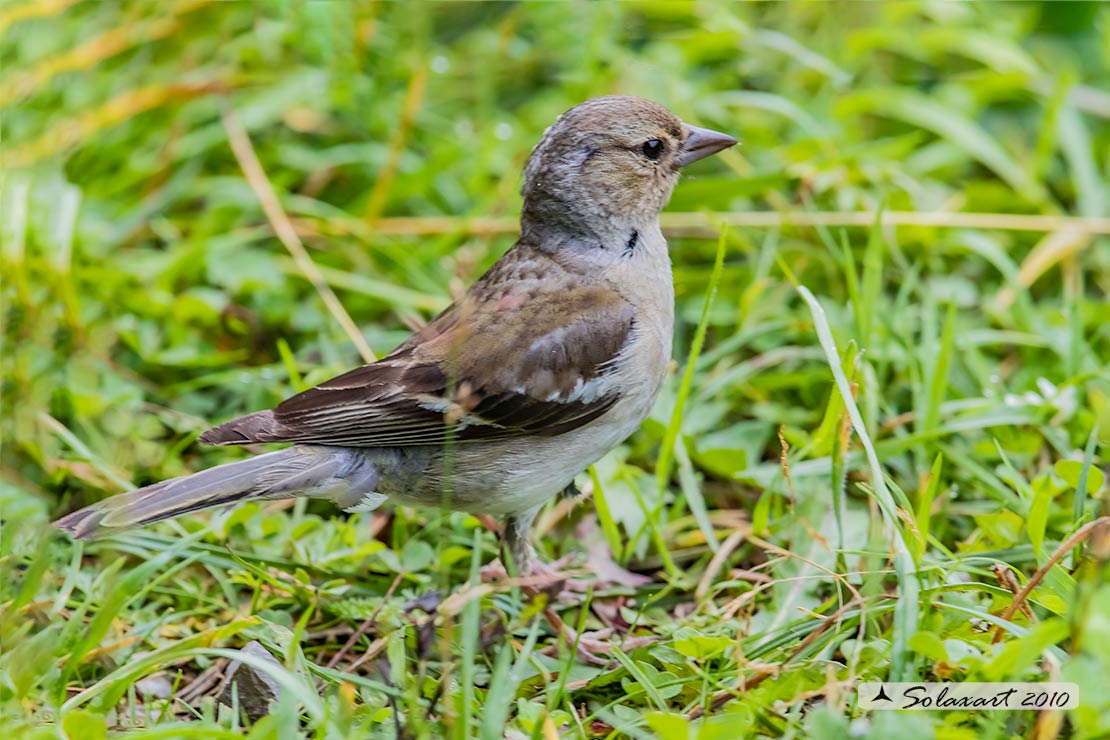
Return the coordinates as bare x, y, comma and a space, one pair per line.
652, 148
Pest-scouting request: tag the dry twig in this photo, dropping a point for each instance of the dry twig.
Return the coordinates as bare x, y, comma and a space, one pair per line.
1080, 534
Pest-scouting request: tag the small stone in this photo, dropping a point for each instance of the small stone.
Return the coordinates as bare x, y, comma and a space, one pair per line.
256, 689
157, 685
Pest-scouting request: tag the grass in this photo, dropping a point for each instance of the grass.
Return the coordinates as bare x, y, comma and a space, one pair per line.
881, 454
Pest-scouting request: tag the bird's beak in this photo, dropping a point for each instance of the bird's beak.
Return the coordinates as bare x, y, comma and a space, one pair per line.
702, 143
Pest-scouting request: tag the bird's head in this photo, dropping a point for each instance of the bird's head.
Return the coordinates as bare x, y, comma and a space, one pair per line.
610, 162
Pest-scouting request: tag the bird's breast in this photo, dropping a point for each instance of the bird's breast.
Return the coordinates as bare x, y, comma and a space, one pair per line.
647, 284
642, 365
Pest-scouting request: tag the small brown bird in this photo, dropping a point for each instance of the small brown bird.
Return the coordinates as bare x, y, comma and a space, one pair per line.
550, 360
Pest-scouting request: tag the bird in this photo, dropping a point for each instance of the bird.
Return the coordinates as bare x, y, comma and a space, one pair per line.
550, 359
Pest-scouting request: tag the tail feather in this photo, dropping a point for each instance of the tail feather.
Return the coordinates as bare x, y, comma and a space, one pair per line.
297, 471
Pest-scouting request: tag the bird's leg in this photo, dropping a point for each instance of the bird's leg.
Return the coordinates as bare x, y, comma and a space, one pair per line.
517, 545
516, 548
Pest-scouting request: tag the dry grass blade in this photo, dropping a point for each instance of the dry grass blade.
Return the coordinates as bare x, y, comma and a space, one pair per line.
717, 563
375, 649
366, 625
87, 54
413, 98
283, 228
1054, 248
1008, 581
207, 679
33, 9
71, 132
706, 225
94, 51
1080, 534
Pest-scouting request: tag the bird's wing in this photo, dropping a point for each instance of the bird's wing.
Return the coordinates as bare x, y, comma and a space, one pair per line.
502, 362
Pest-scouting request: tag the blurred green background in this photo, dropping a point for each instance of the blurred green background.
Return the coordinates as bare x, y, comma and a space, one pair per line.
145, 295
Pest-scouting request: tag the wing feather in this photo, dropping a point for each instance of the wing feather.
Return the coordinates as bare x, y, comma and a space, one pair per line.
502, 362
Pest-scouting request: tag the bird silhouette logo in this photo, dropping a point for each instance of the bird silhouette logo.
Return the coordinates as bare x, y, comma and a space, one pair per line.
881, 696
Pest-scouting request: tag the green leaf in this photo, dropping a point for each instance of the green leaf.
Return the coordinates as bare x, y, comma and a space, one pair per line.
827, 723
84, 725
1020, 654
925, 504
930, 645
669, 725
1038, 513
938, 368
1071, 471
416, 555
694, 644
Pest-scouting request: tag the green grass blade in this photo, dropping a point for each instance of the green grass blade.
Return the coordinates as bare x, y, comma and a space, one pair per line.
905, 612
674, 426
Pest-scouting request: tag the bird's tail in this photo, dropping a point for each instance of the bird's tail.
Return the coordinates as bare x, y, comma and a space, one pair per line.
340, 474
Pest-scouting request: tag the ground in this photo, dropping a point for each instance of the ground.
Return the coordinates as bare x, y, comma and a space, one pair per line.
889, 410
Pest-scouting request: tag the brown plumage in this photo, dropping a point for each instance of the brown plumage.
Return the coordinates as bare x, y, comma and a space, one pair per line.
503, 362
550, 360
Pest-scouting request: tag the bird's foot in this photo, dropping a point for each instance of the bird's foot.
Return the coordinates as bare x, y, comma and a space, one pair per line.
554, 573
541, 577
592, 648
